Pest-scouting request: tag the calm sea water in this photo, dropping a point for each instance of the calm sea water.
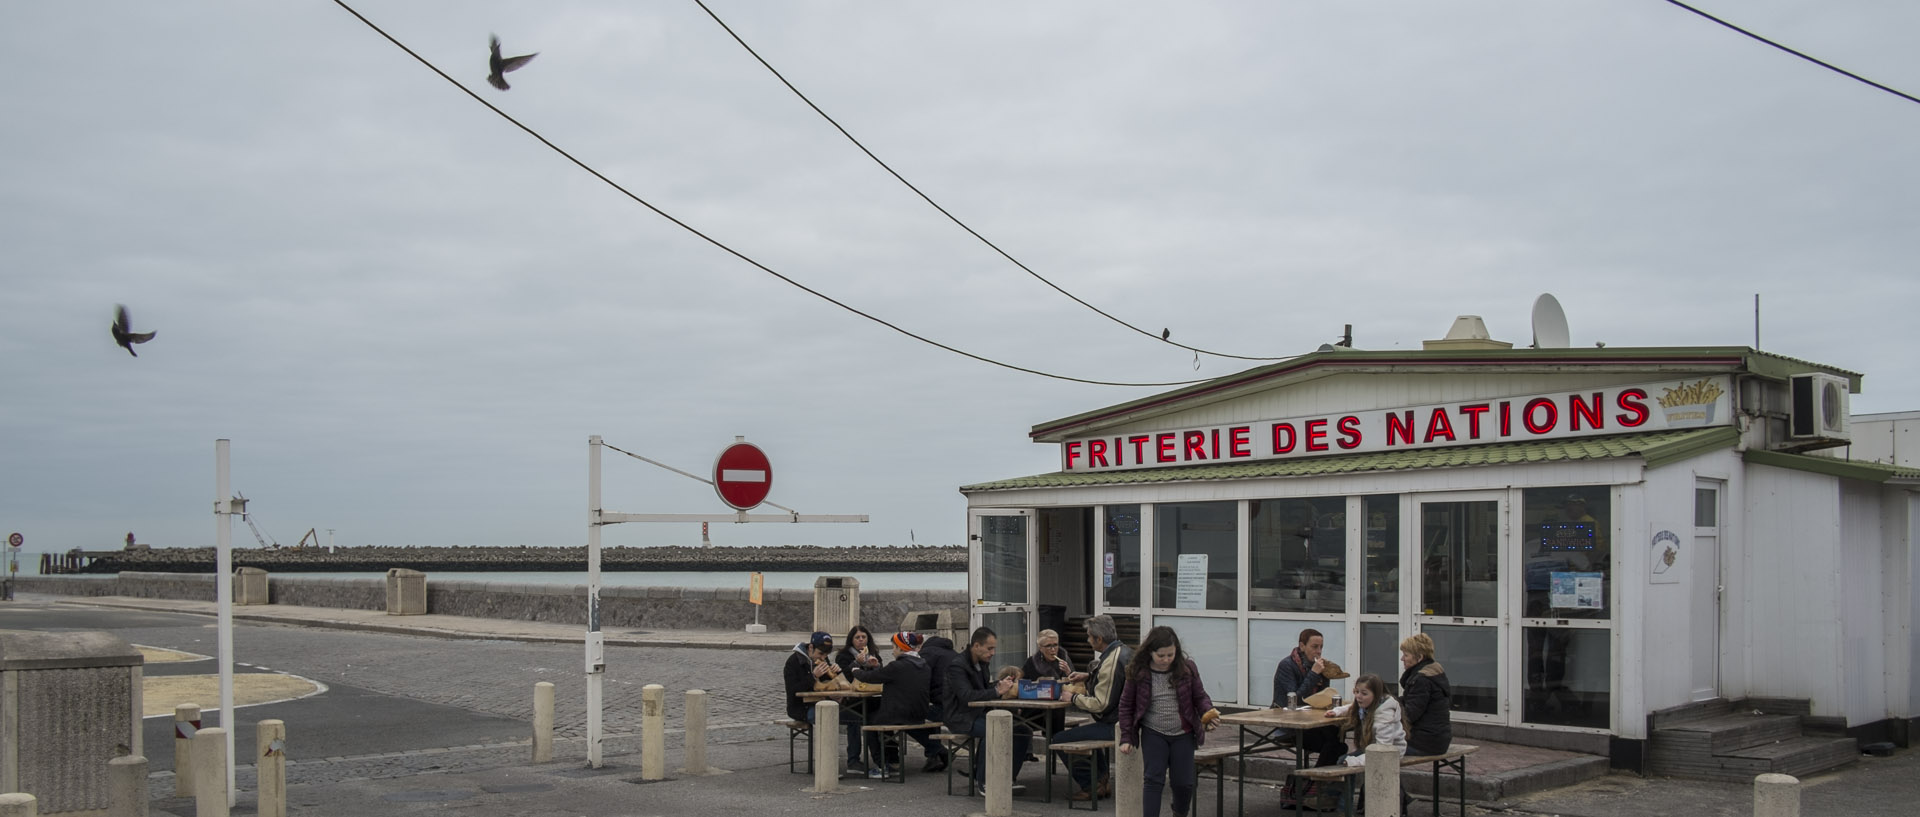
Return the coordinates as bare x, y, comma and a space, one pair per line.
640, 578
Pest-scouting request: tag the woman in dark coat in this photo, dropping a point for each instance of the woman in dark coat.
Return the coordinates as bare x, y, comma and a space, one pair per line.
1166, 712
1426, 698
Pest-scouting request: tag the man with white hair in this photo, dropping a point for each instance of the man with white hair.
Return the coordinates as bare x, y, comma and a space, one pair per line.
1106, 680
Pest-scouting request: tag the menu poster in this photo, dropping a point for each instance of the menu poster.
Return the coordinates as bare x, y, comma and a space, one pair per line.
1190, 584
1578, 591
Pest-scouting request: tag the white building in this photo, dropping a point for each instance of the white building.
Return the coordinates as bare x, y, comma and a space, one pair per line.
1590, 536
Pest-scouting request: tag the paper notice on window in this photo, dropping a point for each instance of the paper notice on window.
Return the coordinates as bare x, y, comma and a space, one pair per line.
1578, 591
1190, 584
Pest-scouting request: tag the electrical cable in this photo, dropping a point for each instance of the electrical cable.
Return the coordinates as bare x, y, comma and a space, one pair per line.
950, 216
695, 477
1816, 61
722, 246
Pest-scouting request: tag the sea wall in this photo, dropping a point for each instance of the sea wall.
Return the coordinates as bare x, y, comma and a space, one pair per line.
621, 608
499, 559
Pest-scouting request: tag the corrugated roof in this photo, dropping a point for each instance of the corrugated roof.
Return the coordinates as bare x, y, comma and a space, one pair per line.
1656, 448
1864, 470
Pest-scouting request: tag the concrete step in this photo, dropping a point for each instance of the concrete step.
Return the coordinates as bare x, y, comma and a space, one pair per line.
1713, 707
1797, 756
1723, 734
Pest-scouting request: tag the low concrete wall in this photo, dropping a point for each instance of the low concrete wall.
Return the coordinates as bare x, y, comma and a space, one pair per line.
637, 608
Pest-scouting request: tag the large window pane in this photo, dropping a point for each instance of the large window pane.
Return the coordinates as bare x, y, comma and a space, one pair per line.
1299, 558
1120, 566
1569, 677
1011, 632
1214, 646
1003, 559
1269, 640
1569, 560
1197, 529
1471, 656
1381, 536
1380, 652
1460, 558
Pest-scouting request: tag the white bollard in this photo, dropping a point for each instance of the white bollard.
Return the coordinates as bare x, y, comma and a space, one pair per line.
127, 786
1776, 795
999, 776
653, 732
186, 721
826, 747
543, 722
696, 734
18, 804
271, 742
1130, 782
1383, 780
210, 772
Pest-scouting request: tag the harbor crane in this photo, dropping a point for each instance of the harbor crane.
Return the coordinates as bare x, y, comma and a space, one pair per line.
257, 535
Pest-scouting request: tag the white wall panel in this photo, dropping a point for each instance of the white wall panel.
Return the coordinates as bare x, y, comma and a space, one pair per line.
1863, 654
1791, 574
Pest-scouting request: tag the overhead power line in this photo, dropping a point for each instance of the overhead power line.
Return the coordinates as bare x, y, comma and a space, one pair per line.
721, 245
1161, 336
1815, 60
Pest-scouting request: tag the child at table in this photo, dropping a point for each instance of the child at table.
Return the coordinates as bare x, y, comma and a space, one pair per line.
1374, 716
1166, 712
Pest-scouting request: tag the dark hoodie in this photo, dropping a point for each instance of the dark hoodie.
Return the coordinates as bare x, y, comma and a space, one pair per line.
799, 677
938, 653
1426, 701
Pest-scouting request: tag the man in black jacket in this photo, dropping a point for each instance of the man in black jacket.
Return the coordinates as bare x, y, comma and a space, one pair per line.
1300, 673
903, 696
938, 652
969, 680
810, 662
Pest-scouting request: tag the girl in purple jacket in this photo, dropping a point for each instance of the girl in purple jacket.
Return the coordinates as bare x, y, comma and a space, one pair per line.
1166, 712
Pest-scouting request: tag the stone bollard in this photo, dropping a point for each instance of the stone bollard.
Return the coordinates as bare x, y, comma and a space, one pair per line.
186, 721
653, 732
18, 804
271, 740
543, 722
999, 776
1776, 795
1383, 781
1130, 782
696, 733
127, 786
826, 747
210, 772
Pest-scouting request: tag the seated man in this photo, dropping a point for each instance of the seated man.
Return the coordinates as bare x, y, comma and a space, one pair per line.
809, 663
968, 681
1106, 680
903, 700
1300, 674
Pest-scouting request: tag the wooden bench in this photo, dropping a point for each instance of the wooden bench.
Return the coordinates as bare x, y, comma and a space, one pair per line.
794, 730
894, 736
1352, 777
1076, 752
957, 743
1215, 757
1344, 775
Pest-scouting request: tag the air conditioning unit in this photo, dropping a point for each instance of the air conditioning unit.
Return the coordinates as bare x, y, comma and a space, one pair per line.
1819, 407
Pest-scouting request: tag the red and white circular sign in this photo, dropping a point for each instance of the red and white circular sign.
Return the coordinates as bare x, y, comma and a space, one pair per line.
742, 476
16, 540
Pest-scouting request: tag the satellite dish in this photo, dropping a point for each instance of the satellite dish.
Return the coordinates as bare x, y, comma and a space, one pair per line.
1549, 324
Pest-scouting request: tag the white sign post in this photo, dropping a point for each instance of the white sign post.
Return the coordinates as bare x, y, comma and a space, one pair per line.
729, 473
224, 508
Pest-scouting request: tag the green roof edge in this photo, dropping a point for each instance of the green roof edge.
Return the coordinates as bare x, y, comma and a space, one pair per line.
1691, 446
1847, 469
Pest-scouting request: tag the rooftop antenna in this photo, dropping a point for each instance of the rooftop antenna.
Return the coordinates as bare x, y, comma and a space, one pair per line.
1549, 323
1756, 321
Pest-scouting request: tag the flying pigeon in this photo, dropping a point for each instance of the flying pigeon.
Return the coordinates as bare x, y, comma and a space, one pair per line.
122, 335
500, 66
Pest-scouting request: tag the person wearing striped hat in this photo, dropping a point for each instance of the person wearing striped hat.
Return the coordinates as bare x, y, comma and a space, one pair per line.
903, 700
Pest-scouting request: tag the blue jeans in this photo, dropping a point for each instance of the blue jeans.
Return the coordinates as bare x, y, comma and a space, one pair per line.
1022, 744
1087, 731
1162, 753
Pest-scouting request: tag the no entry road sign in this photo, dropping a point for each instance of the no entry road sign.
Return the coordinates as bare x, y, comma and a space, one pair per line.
16, 540
742, 476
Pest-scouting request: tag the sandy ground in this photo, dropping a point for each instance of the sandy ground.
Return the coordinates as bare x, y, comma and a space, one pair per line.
160, 695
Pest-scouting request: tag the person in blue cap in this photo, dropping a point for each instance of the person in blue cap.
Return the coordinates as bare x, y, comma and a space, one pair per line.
811, 662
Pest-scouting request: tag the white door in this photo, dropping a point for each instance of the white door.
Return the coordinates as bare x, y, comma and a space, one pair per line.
1456, 562
1000, 568
1704, 563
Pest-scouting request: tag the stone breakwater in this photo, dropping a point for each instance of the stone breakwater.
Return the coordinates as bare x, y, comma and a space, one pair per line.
496, 559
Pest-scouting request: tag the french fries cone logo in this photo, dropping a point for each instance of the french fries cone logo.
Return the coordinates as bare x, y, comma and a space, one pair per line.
1691, 404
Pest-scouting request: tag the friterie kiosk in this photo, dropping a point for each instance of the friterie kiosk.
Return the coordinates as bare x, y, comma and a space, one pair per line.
1599, 541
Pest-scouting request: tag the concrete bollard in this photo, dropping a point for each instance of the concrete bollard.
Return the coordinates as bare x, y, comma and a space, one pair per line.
271, 769
543, 722
186, 721
826, 747
999, 776
127, 786
1383, 781
18, 804
1776, 795
1130, 783
653, 732
696, 734
210, 772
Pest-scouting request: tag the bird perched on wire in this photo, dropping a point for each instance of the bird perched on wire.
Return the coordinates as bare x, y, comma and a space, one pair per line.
123, 334
1166, 333
499, 66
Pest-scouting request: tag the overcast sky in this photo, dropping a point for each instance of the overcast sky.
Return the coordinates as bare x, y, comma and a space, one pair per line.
409, 316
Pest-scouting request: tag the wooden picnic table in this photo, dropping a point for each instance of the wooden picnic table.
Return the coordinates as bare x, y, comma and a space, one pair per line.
1034, 713
1261, 723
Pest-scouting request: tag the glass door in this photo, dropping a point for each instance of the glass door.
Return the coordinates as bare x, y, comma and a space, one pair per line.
1000, 567
1457, 598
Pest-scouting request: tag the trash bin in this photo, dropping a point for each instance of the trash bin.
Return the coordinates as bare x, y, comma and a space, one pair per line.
836, 604
70, 707
249, 586
406, 592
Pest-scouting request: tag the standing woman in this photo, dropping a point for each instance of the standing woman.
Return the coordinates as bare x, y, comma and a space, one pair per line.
1426, 698
1165, 711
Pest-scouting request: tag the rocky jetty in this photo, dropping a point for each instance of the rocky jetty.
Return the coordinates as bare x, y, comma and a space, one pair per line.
503, 559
